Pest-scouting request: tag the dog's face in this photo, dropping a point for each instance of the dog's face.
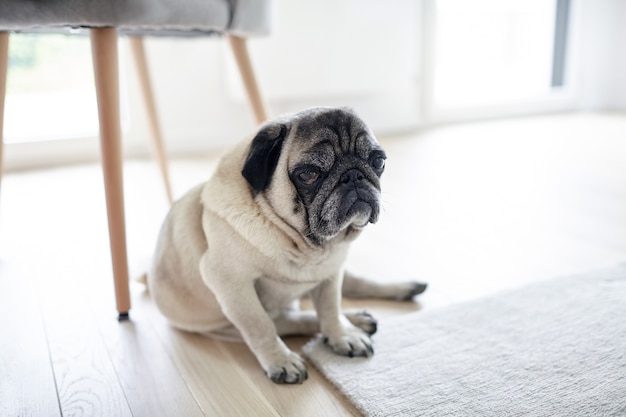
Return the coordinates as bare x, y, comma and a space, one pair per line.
319, 170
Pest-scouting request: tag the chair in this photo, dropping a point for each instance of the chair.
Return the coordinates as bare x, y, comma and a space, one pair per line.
105, 20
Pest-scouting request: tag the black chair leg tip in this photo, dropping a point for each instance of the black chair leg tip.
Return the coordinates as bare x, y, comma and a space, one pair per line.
123, 317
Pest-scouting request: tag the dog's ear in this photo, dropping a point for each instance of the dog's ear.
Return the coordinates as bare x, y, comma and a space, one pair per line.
263, 155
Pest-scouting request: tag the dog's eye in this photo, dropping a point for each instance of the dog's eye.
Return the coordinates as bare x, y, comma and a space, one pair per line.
378, 163
308, 177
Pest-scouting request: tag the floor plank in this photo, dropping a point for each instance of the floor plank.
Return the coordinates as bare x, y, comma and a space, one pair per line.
313, 398
150, 379
27, 384
86, 380
207, 370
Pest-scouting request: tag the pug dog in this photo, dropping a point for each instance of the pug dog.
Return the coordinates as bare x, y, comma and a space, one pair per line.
273, 224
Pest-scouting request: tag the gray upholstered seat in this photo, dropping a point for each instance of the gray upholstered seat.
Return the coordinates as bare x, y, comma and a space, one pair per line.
105, 19
147, 17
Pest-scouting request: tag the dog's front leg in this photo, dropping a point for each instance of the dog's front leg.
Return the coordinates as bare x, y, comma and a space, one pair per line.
342, 336
244, 310
241, 305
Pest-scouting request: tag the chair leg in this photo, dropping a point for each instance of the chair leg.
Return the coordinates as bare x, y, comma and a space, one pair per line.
4, 64
105, 60
158, 148
240, 50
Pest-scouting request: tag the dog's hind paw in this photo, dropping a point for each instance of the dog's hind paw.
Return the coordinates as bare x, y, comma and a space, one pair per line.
407, 291
363, 320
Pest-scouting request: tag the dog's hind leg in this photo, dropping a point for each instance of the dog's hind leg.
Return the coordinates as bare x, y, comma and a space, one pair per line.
293, 322
358, 287
297, 323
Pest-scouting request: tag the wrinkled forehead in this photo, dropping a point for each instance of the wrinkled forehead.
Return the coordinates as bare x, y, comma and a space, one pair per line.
324, 137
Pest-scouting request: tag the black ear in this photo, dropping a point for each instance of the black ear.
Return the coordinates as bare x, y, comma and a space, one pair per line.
263, 155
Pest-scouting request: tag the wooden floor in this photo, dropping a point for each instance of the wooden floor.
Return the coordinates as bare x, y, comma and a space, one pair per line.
472, 209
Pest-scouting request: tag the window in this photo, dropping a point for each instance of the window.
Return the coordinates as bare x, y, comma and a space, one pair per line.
489, 53
50, 88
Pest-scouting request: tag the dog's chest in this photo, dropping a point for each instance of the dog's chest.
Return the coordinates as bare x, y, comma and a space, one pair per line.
276, 295
289, 281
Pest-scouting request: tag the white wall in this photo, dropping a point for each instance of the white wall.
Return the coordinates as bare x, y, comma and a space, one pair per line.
366, 54
362, 53
359, 53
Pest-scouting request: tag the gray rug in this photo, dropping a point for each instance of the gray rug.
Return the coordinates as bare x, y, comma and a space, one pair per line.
556, 348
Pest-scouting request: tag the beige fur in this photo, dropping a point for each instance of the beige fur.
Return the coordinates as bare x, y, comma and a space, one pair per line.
232, 263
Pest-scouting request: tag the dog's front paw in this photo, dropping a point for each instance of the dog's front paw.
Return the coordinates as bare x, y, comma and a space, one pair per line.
353, 342
289, 369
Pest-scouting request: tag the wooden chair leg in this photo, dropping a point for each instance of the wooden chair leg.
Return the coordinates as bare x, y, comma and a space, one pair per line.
4, 64
105, 60
240, 50
158, 147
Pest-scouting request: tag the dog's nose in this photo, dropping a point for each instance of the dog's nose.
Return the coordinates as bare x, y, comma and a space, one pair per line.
352, 175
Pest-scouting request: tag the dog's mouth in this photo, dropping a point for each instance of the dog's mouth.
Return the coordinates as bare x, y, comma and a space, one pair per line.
354, 209
360, 214
358, 207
